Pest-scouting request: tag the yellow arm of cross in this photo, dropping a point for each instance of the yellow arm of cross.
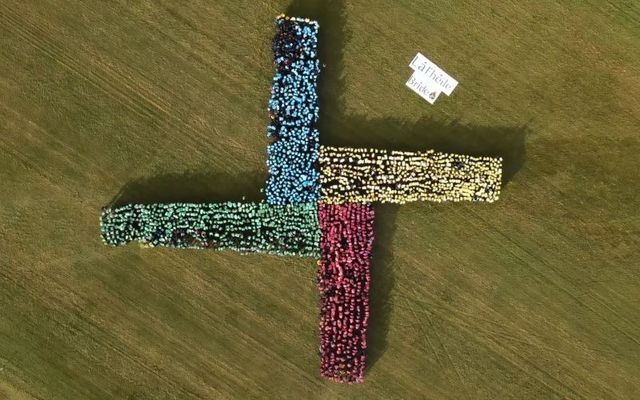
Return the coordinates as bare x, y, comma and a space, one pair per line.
354, 175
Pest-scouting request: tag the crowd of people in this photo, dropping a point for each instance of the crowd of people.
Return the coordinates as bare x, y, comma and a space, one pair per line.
294, 113
344, 285
362, 175
318, 202
244, 227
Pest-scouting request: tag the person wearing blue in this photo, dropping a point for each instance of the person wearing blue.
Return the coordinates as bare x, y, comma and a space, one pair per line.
294, 112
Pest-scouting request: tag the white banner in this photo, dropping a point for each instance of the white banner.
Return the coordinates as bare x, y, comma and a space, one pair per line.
434, 73
426, 88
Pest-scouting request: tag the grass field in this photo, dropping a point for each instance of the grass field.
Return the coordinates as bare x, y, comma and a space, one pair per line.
533, 297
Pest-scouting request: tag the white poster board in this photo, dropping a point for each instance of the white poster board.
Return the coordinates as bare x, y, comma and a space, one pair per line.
433, 73
426, 88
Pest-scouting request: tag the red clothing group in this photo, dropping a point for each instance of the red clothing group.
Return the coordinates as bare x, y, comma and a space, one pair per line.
344, 281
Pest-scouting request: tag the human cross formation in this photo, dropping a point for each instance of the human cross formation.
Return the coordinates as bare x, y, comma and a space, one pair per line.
318, 202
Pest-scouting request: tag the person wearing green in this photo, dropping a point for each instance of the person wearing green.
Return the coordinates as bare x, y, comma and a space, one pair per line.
243, 227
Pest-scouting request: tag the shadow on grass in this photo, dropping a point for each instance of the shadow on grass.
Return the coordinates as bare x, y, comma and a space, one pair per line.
193, 187
382, 282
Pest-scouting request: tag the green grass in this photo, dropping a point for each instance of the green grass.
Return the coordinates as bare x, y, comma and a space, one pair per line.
532, 297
